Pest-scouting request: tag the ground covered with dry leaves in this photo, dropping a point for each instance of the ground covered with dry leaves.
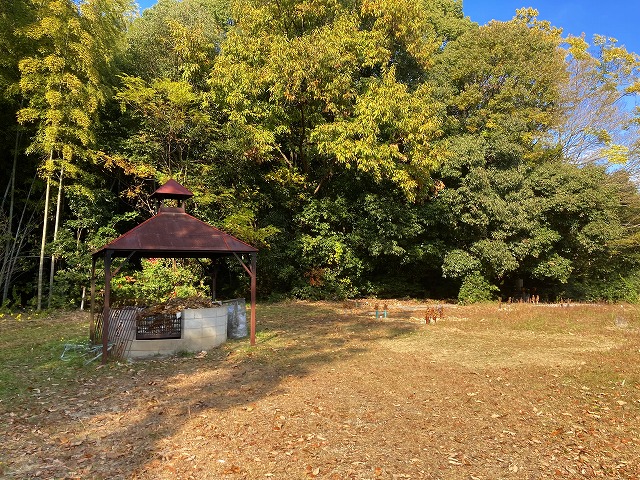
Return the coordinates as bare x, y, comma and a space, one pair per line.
329, 392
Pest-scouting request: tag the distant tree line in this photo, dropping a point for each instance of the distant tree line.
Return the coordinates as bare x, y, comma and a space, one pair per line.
367, 147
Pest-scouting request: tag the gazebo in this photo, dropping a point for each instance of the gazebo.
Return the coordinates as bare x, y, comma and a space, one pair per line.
170, 233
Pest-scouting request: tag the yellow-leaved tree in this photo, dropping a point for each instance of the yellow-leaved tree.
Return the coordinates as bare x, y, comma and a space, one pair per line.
64, 83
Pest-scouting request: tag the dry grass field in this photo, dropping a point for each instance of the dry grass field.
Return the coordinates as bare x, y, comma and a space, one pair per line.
331, 392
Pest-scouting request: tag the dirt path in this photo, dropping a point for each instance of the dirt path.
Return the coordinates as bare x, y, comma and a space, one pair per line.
331, 393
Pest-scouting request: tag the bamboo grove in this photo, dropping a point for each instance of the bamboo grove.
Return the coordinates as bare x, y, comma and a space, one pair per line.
366, 147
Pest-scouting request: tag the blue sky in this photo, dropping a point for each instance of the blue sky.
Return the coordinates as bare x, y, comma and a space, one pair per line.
614, 18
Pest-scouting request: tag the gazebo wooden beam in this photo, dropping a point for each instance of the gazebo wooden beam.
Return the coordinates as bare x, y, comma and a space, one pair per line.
251, 270
107, 305
92, 314
254, 264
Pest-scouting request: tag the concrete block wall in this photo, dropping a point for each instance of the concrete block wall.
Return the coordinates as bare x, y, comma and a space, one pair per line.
202, 329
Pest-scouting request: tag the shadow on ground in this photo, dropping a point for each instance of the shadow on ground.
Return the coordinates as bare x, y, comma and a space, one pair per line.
117, 423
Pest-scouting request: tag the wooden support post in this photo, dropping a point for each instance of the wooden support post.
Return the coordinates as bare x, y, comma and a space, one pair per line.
215, 267
252, 274
92, 314
107, 305
254, 262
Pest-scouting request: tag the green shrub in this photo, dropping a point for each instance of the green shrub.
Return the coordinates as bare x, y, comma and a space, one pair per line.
159, 280
475, 288
620, 289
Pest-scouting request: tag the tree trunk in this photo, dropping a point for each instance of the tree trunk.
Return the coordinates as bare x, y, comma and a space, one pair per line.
55, 236
23, 230
43, 244
5, 271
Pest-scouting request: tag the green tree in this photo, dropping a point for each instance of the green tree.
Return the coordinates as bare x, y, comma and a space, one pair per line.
556, 226
502, 84
367, 147
177, 40
169, 129
322, 86
64, 86
162, 127
14, 15
329, 98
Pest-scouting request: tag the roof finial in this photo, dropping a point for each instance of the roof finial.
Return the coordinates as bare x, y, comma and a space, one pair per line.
172, 189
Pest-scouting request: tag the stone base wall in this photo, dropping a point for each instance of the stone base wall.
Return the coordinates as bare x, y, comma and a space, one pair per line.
202, 329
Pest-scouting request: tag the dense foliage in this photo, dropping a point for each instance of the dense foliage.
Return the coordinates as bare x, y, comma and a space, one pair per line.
367, 147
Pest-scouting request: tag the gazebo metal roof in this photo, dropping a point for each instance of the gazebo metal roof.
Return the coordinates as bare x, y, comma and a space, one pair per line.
174, 233
171, 233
